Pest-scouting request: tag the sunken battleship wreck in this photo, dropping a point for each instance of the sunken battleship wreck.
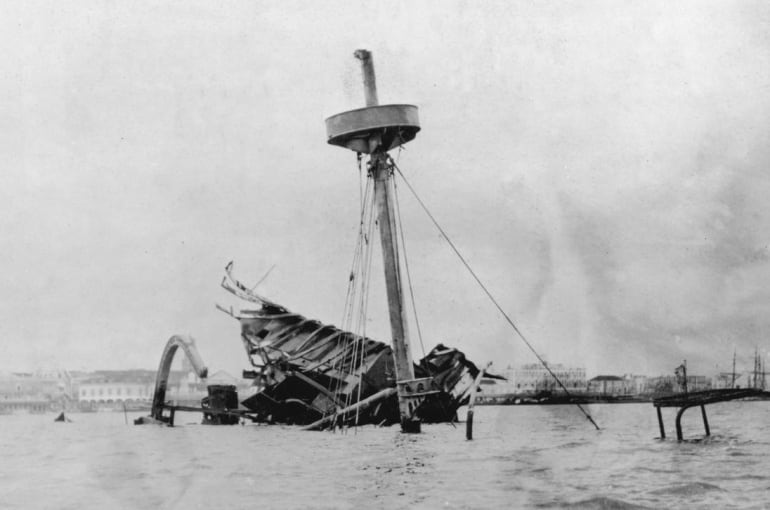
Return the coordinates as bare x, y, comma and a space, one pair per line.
313, 373
319, 376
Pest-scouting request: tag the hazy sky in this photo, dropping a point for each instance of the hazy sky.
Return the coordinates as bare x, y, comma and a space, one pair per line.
602, 165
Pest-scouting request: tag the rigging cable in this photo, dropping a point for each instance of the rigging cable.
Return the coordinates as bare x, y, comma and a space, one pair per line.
357, 274
355, 264
406, 266
364, 307
427, 365
352, 354
489, 295
263, 278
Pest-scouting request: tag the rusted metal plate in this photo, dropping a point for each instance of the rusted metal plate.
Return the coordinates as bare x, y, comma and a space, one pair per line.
394, 124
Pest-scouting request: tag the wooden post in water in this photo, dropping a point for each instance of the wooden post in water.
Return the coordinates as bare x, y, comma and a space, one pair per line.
472, 403
705, 420
660, 424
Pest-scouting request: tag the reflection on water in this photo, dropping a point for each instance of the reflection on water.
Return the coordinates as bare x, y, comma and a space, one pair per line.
522, 456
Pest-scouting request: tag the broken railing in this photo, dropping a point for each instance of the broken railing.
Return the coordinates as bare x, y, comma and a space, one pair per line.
685, 401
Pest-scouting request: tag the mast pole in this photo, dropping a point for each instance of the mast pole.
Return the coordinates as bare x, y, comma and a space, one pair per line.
382, 173
733, 382
374, 130
685, 375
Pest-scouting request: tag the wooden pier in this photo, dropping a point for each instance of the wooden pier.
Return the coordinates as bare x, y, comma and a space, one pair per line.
685, 401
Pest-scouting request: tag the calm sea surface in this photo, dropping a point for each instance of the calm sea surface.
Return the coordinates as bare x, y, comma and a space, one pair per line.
522, 457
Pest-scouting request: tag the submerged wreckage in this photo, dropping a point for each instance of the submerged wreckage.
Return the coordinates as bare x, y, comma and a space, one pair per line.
317, 375
313, 373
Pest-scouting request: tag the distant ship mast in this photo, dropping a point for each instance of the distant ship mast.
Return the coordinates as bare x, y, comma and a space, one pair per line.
374, 130
732, 384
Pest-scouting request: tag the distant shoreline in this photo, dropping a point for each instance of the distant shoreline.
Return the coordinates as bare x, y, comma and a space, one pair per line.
544, 399
561, 399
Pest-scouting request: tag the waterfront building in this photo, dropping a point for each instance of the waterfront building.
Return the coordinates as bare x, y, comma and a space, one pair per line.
57, 390
635, 384
113, 388
609, 386
533, 378
666, 384
724, 380
22, 392
55, 383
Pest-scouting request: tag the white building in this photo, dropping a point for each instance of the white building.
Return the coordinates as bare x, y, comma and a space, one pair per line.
534, 378
114, 391
116, 387
635, 384
609, 385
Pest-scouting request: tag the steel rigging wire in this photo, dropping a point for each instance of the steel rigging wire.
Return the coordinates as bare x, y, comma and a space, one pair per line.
489, 295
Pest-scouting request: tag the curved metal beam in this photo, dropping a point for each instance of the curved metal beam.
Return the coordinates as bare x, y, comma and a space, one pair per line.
187, 344
679, 420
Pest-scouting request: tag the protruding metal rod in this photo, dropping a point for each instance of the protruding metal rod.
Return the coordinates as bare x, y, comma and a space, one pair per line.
660, 424
679, 422
363, 404
370, 82
705, 420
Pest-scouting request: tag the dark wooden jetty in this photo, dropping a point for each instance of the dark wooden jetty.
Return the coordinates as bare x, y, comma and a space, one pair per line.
685, 401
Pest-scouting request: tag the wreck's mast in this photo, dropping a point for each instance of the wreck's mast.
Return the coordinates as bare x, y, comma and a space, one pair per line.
374, 130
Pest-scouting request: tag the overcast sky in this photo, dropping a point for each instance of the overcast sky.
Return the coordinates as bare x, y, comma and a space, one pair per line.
603, 166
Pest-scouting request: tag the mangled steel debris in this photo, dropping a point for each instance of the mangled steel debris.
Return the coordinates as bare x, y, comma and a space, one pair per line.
314, 373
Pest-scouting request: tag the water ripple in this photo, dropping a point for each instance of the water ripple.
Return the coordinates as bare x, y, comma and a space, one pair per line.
688, 488
522, 457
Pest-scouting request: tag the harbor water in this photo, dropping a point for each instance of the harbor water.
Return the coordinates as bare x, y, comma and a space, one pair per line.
521, 457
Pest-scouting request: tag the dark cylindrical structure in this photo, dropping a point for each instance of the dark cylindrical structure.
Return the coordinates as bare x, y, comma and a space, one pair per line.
370, 82
469, 426
221, 397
